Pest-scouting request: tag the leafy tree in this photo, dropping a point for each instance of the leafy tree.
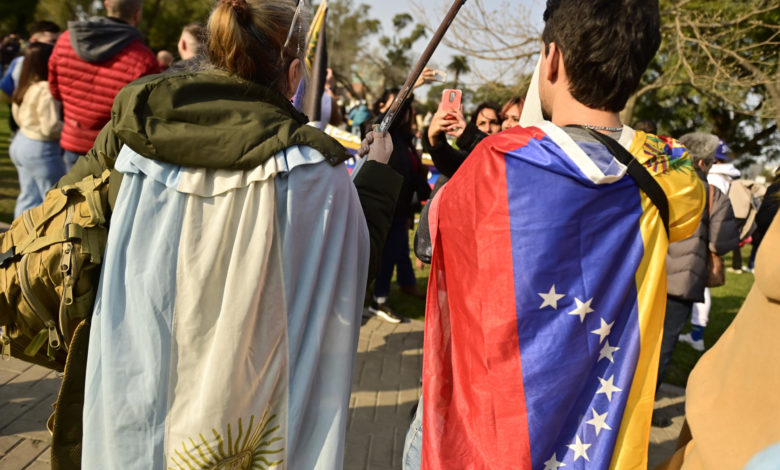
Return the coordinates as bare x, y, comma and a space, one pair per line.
716, 71
163, 21
394, 66
349, 27
459, 65
15, 15
62, 11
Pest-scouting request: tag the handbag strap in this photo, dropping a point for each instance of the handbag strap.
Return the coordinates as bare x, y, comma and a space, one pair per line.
638, 172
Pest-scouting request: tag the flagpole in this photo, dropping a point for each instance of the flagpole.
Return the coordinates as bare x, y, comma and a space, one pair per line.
406, 90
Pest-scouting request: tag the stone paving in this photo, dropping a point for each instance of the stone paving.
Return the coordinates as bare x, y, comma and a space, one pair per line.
386, 386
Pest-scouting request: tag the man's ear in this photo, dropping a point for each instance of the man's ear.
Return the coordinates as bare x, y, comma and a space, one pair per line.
553, 61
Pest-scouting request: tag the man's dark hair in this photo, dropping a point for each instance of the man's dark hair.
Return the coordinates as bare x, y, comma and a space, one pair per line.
606, 46
43, 27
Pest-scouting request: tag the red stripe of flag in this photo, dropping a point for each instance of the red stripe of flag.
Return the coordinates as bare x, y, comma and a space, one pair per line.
474, 413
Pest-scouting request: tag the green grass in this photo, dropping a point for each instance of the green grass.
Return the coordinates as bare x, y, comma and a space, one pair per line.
726, 301
9, 183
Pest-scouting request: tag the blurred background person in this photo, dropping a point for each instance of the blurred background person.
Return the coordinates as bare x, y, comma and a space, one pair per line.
511, 111
91, 62
191, 48
164, 60
35, 149
686, 261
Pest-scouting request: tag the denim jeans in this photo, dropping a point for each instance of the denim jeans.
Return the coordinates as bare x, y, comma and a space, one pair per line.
395, 253
70, 159
412, 457
678, 311
39, 164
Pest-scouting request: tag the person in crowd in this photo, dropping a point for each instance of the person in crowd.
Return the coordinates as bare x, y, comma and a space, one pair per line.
395, 257
768, 209
35, 149
191, 48
164, 59
646, 125
731, 402
701, 309
357, 115
686, 263
231, 290
511, 111
722, 175
9, 50
40, 31
484, 121
92, 61
544, 319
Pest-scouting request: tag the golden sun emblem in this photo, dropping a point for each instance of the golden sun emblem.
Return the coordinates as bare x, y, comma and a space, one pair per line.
258, 450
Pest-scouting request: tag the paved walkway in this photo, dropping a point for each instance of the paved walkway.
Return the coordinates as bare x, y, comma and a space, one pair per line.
385, 388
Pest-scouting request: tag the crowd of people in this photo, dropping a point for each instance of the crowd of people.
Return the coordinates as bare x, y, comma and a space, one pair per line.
568, 250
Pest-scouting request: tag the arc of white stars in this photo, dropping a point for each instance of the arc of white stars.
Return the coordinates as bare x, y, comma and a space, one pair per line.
608, 387
604, 330
553, 463
551, 298
580, 449
599, 421
607, 351
582, 309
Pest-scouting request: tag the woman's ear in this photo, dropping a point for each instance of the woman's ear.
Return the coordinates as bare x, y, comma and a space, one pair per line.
294, 76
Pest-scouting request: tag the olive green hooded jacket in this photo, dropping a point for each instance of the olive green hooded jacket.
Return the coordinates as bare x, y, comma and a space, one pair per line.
212, 119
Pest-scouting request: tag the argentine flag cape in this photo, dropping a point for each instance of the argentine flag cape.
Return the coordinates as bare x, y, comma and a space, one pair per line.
546, 302
227, 318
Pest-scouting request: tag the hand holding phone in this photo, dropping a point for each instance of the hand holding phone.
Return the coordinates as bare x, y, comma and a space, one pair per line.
450, 100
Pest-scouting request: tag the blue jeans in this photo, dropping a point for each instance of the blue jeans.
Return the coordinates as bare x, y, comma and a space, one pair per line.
70, 159
396, 253
412, 458
39, 164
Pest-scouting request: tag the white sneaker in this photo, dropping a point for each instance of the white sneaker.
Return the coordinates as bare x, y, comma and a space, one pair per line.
384, 311
695, 344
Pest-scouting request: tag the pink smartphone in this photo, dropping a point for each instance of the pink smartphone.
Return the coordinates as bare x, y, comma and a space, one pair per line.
450, 99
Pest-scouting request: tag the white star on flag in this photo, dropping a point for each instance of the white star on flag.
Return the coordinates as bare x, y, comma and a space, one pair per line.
608, 387
598, 421
550, 298
607, 351
603, 330
553, 463
580, 449
583, 308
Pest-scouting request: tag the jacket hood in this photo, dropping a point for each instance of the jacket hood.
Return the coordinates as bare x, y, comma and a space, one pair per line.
99, 39
212, 119
725, 169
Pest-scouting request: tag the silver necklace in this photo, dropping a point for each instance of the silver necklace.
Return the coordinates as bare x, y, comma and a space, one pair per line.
603, 128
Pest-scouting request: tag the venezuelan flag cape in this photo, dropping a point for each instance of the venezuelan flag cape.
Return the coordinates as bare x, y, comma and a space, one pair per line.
546, 302
226, 322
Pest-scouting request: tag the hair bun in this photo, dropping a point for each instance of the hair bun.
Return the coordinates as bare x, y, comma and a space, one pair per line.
240, 7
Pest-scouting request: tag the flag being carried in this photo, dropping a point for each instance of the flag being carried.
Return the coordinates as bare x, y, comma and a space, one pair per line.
546, 301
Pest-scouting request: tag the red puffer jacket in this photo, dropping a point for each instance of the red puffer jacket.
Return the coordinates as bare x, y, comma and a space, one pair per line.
87, 89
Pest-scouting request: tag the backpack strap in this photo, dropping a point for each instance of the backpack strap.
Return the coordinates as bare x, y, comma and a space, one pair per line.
638, 172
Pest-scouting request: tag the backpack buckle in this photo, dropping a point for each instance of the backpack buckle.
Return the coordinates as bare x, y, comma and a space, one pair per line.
5, 258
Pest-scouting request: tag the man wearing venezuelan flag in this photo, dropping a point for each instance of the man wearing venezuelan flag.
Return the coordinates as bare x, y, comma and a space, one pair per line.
548, 287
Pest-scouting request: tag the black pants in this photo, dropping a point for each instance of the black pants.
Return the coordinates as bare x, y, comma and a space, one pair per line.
678, 311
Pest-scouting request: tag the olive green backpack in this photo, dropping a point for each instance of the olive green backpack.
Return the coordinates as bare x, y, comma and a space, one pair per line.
49, 267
